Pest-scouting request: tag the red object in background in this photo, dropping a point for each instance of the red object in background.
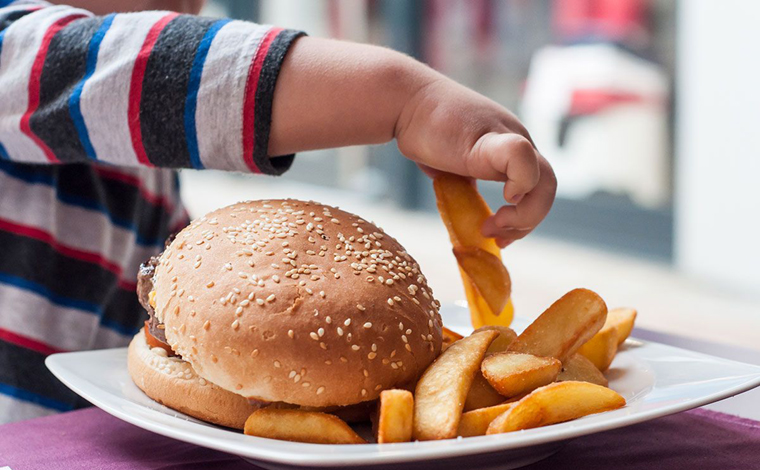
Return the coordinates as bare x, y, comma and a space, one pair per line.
585, 102
615, 20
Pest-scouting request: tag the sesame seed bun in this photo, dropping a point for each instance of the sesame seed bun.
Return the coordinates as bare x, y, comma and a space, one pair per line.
296, 302
173, 382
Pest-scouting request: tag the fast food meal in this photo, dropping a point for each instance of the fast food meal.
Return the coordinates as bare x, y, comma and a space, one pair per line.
291, 319
281, 303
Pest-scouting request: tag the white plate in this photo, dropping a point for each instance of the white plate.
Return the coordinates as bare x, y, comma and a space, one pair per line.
655, 379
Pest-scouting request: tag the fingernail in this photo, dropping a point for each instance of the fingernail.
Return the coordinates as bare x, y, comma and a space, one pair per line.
517, 198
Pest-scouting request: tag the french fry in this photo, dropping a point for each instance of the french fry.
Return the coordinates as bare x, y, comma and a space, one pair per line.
395, 415
512, 374
564, 326
449, 337
501, 343
475, 423
463, 211
300, 426
481, 394
443, 387
622, 319
579, 369
488, 275
601, 348
556, 403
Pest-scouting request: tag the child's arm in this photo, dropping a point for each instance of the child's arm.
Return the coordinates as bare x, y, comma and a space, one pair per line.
333, 93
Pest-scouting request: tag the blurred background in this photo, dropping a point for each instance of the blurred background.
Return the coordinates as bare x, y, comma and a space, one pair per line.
647, 110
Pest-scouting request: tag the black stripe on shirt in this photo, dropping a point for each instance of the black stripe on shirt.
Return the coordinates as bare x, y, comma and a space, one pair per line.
80, 185
25, 369
65, 65
167, 74
7, 19
34, 265
264, 98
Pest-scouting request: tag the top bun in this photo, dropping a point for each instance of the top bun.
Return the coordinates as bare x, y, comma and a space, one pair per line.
297, 302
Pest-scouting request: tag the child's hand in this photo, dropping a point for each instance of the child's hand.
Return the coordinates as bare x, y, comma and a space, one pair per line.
447, 127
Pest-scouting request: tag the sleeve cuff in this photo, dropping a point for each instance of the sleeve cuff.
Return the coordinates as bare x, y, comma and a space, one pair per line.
265, 69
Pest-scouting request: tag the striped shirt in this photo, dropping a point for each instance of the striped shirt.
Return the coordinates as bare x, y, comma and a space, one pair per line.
95, 112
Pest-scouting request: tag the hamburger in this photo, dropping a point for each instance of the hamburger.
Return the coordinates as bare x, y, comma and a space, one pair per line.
281, 303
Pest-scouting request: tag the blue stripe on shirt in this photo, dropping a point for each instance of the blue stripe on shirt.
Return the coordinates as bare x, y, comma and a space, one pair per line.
61, 301
32, 397
75, 100
5, 3
3, 152
48, 180
193, 87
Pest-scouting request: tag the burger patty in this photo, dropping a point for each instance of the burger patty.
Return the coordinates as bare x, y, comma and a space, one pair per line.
144, 288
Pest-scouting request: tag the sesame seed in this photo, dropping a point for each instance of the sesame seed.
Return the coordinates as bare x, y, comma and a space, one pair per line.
394, 365
277, 364
291, 333
276, 278
254, 353
207, 325
322, 294
368, 325
374, 347
322, 345
314, 336
355, 347
365, 372
270, 298
340, 331
321, 332
401, 326
306, 385
408, 331
364, 392
390, 301
397, 298
210, 284
408, 348
328, 319
347, 322
238, 310
260, 301
360, 307
320, 390
404, 338
292, 374
371, 355
389, 281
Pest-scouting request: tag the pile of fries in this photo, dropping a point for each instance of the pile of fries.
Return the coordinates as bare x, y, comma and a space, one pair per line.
492, 381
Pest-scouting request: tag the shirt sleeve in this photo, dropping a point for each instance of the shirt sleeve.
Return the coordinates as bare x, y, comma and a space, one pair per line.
157, 89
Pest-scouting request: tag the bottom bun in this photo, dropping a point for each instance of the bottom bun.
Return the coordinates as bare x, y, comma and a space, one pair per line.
173, 382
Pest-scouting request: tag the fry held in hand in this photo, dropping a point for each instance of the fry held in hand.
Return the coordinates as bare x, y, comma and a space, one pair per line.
443, 387
580, 369
475, 423
488, 275
463, 211
563, 328
601, 348
300, 426
556, 403
513, 374
395, 416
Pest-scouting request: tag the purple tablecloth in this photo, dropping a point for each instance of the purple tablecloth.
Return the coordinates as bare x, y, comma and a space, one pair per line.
91, 439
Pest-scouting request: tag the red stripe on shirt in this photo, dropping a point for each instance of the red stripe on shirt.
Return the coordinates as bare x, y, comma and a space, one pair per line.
136, 85
71, 252
34, 84
132, 180
28, 343
249, 103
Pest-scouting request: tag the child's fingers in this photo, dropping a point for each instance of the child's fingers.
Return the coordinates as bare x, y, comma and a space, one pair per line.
516, 221
506, 157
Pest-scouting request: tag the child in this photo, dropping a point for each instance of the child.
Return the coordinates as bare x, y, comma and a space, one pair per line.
96, 111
